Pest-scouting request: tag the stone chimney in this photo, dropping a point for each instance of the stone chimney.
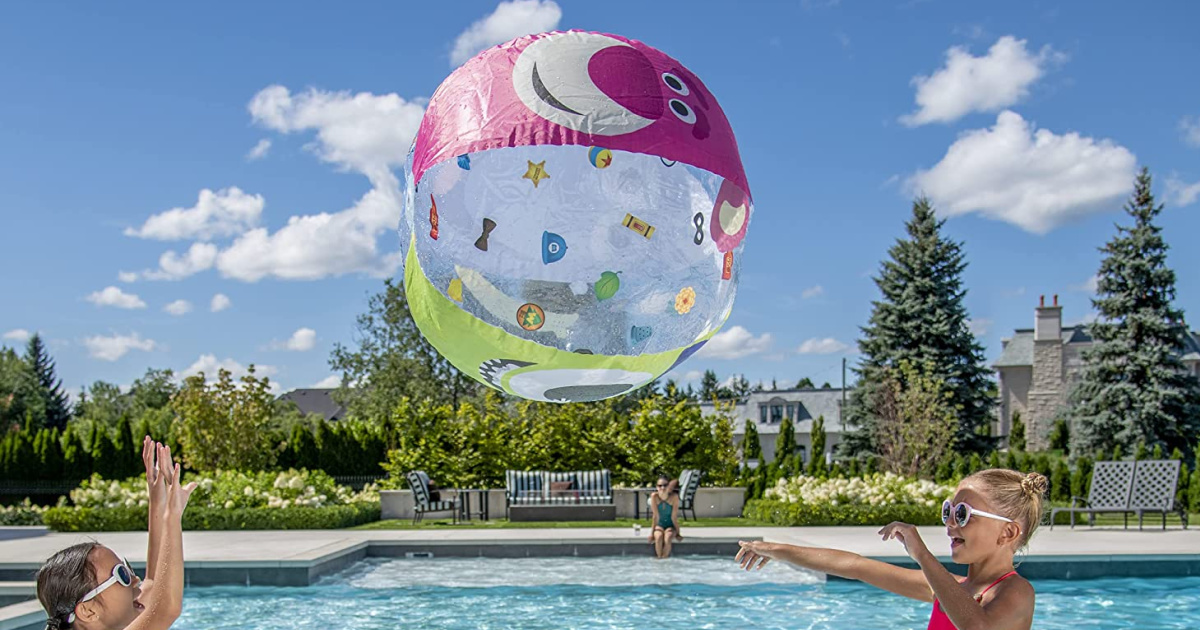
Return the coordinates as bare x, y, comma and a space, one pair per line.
1047, 391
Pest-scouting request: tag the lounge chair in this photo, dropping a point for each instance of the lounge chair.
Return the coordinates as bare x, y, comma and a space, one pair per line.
547, 496
689, 484
1112, 483
1154, 484
422, 503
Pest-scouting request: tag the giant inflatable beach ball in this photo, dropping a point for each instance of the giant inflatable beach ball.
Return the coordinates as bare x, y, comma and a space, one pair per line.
574, 217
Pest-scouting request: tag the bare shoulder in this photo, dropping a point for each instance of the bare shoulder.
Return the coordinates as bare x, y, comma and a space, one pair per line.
1013, 594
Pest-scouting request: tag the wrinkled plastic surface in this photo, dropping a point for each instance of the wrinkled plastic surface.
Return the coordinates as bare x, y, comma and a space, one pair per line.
575, 213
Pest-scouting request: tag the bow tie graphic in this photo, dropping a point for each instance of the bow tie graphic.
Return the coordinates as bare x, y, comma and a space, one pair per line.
481, 242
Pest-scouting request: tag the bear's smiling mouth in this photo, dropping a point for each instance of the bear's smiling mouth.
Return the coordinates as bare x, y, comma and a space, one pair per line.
543, 93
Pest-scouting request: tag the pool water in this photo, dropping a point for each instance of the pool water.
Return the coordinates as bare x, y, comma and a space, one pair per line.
595, 593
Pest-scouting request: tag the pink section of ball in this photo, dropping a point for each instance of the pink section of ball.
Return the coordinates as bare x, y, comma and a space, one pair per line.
477, 108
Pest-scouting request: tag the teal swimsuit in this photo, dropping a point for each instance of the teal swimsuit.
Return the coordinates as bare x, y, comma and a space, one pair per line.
664, 515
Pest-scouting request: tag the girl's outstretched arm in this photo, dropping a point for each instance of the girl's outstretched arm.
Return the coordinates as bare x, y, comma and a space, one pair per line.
910, 583
1010, 609
157, 497
166, 600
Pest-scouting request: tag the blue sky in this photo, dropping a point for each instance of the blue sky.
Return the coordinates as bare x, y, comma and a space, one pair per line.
132, 192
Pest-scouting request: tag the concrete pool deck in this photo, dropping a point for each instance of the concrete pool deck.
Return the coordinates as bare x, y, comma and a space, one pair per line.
299, 558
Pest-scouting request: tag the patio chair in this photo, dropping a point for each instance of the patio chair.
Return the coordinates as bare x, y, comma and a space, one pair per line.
1154, 484
1112, 484
689, 484
422, 500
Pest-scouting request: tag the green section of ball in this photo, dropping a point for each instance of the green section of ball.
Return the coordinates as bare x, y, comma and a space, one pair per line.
607, 286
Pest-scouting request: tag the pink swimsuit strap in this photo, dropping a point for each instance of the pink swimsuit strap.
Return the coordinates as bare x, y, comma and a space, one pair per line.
939, 621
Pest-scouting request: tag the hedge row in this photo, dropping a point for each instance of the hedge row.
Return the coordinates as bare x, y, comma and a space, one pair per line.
796, 514
74, 519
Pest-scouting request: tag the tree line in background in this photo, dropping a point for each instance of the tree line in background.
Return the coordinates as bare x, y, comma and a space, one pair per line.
923, 392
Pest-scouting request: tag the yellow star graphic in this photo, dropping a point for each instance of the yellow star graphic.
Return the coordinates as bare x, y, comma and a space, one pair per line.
536, 172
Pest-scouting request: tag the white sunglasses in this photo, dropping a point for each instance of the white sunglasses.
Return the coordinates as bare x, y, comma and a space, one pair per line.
121, 574
961, 514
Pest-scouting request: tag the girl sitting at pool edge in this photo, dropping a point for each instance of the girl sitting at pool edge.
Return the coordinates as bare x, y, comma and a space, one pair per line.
88, 587
991, 516
664, 505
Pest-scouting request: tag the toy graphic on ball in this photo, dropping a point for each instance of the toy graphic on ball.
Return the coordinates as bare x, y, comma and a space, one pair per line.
591, 208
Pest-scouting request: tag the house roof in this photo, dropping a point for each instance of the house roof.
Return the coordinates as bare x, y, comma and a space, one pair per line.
811, 404
316, 400
1018, 350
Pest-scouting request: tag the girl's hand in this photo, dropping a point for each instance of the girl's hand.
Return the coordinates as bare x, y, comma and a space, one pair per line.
756, 551
156, 490
177, 496
909, 537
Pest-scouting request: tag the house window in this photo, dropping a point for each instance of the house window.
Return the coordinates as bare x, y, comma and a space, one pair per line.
763, 413
791, 412
776, 413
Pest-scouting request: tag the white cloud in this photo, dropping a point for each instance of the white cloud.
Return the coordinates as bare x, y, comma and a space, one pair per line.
812, 292
303, 340
114, 296
363, 132
172, 266
1190, 126
219, 303
735, 343
127, 276
178, 307
828, 345
209, 366
979, 326
223, 213
1029, 177
1090, 285
260, 150
18, 334
966, 84
116, 346
509, 21
329, 382
1181, 193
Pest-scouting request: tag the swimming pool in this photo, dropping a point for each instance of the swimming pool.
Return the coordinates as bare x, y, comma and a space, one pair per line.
621, 592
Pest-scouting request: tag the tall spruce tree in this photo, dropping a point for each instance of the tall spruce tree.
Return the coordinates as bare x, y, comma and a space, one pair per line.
57, 409
921, 318
751, 447
1134, 386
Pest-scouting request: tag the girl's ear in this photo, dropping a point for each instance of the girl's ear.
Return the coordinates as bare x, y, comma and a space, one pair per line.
1010, 534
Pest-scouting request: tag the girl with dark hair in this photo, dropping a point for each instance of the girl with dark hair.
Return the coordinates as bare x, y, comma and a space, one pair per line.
88, 587
664, 505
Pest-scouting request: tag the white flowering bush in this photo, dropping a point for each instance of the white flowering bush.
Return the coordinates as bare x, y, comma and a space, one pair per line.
878, 489
232, 490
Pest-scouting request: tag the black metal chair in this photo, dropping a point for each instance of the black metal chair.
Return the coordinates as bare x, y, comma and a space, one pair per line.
689, 484
422, 498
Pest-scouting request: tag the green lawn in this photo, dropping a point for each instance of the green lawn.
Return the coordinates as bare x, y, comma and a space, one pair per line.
505, 524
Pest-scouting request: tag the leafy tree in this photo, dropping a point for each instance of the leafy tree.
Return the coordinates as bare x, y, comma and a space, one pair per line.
921, 318
915, 421
56, 407
222, 424
805, 383
1134, 386
826, 385
20, 392
393, 361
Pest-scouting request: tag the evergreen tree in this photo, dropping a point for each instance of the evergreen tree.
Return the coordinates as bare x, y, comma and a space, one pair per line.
104, 456
816, 465
921, 318
1016, 435
57, 408
1060, 436
77, 462
785, 442
709, 386
1134, 386
751, 447
128, 459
